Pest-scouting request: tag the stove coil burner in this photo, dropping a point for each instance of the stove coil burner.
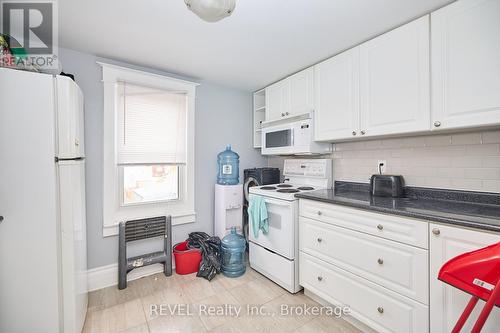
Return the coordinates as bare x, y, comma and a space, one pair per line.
288, 190
285, 185
305, 188
268, 188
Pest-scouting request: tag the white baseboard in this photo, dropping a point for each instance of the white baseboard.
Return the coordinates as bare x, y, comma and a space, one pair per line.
107, 276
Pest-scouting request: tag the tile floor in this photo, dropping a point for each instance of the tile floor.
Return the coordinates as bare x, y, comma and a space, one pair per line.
130, 310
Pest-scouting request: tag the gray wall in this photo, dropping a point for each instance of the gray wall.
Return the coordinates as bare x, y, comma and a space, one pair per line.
223, 115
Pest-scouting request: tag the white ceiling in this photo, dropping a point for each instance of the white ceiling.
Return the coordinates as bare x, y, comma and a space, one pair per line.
263, 41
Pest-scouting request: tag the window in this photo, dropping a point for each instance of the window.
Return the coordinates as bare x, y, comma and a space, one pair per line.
150, 183
148, 147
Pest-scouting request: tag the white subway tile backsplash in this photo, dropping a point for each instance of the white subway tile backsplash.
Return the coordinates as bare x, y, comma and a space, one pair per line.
482, 173
491, 161
466, 139
437, 140
483, 150
491, 137
491, 186
465, 161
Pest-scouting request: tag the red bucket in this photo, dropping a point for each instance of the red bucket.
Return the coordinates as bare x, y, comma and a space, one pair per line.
187, 261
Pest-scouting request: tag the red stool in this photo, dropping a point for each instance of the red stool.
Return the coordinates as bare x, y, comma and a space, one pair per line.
477, 273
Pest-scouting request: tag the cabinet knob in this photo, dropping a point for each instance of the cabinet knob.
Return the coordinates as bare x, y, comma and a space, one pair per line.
380, 227
320, 278
319, 240
320, 213
380, 261
437, 123
354, 133
77, 142
380, 309
436, 231
363, 132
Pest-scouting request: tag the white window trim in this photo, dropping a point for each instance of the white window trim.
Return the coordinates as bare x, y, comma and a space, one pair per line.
183, 210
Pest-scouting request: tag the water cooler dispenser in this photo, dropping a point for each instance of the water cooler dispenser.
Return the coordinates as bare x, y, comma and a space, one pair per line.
228, 209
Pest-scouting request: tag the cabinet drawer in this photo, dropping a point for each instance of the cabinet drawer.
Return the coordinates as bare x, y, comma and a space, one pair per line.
400, 229
399, 267
377, 307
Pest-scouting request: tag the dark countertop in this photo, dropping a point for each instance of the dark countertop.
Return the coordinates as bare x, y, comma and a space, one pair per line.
462, 208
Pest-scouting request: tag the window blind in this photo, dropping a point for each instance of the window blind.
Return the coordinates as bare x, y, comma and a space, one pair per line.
151, 125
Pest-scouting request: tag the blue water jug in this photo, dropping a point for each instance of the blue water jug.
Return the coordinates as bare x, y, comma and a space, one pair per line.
229, 167
233, 254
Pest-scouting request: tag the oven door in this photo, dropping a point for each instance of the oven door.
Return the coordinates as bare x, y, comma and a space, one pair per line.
282, 217
278, 140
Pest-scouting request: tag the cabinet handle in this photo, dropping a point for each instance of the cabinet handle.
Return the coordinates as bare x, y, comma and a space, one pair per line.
319, 240
436, 231
380, 227
354, 133
380, 309
1, 219
380, 261
319, 213
320, 278
363, 132
437, 123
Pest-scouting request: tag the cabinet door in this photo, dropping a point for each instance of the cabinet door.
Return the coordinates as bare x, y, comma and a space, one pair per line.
69, 119
336, 97
301, 92
73, 243
395, 81
278, 100
466, 64
447, 303
28, 233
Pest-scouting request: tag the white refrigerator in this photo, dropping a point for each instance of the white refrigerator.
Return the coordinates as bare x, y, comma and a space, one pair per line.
43, 251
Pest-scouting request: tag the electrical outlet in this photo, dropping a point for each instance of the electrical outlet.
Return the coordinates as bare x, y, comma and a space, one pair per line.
381, 166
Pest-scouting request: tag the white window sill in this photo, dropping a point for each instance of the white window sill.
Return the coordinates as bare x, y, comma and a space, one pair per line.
112, 230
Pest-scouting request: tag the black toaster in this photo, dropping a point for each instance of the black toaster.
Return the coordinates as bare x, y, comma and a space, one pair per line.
387, 186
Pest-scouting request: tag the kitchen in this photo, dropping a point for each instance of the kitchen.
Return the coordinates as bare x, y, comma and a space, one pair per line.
365, 164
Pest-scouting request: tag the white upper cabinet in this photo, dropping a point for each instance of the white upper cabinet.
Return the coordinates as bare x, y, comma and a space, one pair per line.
466, 64
70, 118
302, 92
336, 97
291, 96
277, 100
394, 81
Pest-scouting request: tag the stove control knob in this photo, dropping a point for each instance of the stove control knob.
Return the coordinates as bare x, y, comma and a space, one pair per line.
380, 227
319, 240
320, 213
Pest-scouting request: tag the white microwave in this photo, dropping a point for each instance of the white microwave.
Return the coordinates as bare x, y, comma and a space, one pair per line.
292, 138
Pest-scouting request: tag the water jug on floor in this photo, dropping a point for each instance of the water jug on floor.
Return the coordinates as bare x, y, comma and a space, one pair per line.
233, 254
229, 167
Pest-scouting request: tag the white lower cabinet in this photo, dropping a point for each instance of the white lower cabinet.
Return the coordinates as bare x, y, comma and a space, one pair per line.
388, 279
398, 267
447, 303
375, 306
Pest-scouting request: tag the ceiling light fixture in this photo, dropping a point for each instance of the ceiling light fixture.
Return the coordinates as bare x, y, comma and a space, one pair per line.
211, 10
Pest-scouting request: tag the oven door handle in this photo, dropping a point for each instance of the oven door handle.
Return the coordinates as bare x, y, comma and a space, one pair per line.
277, 203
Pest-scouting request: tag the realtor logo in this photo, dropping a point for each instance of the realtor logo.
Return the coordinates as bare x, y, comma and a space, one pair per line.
31, 30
